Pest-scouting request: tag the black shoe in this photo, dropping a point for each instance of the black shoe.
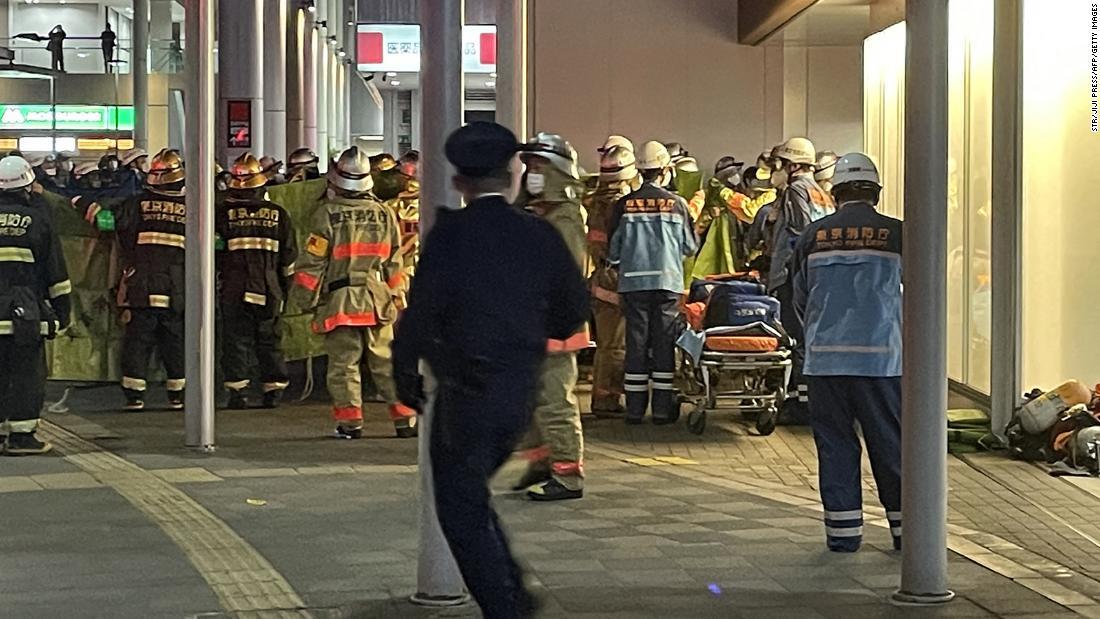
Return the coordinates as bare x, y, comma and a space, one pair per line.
175, 400
897, 543
238, 401
134, 403
536, 474
349, 432
665, 421
25, 444
553, 490
617, 412
272, 398
634, 421
406, 428
844, 546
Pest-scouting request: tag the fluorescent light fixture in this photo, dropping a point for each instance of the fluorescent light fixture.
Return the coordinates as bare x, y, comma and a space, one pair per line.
490, 84
395, 83
493, 75
64, 144
9, 144
36, 144
391, 74
81, 55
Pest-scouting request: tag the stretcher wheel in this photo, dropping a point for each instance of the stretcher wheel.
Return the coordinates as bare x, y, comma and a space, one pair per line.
697, 421
765, 424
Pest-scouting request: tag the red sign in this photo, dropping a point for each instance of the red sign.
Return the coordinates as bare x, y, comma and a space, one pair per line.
370, 48
488, 48
239, 115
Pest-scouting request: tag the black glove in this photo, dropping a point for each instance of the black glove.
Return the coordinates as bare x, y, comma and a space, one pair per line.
410, 390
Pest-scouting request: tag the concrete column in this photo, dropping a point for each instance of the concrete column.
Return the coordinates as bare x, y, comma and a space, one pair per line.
160, 34
199, 312
309, 85
512, 65
275, 80
324, 93
295, 120
240, 71
139, 56
438, 579
1008, 208
924, 385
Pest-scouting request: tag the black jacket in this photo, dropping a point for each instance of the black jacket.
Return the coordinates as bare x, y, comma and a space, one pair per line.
492, 286
34, 281
151, 228
258, 249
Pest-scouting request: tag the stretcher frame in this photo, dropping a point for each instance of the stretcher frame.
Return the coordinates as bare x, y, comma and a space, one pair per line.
764, 376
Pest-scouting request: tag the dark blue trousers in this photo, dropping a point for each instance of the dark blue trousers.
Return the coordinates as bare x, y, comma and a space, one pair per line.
477, 422
837, 403
652, 326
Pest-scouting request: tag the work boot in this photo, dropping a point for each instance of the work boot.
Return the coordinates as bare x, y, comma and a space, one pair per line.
406, 428
553, 490
25, 444
134, 402
238, 401
175, 400
850, 544
272, 398
349, 432
537, 473
606, 411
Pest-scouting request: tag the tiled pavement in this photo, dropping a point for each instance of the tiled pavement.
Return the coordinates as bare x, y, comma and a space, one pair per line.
724, 525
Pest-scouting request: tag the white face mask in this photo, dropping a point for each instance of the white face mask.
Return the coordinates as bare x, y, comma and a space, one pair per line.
734, 180
779, 178
536, 183
51, 172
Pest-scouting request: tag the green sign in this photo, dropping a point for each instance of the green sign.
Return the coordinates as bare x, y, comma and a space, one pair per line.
68, 117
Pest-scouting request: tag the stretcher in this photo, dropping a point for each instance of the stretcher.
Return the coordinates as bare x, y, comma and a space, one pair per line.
735, 357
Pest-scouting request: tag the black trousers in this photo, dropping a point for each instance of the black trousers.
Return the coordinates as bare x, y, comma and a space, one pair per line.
792, 324
22, 383
652, 326
836, 404
152, 329
473, 432
249, 330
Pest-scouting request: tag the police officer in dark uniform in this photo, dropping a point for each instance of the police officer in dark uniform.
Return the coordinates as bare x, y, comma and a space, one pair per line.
258, 249
151, 229
493, 284
34, 304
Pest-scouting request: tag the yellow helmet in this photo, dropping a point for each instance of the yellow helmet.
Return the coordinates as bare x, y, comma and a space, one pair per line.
247, 173
166, 168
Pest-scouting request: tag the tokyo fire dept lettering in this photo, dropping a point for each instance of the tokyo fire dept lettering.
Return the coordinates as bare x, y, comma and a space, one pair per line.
264, 217
161, 210
13, 224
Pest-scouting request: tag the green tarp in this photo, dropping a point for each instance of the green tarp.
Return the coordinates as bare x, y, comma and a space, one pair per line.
89, 349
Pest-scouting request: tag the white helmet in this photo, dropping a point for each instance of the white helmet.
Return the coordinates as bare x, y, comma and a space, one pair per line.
798, 150
553, 148
36, 160
131, 155
855, 168
615, 140
618, 164
686, 164
654, 156
85, 168
825, 166
351, 172
15, 173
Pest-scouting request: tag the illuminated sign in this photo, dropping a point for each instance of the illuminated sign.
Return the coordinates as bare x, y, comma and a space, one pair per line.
240, 124
396, 47
67, 117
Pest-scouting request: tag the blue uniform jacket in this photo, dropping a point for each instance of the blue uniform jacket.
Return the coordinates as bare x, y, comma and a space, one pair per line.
802, 203
651, 234
847, 291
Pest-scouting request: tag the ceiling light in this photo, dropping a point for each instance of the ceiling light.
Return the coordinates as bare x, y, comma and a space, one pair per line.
490, 84
341, 53
395, 83
79, 54
391, 74
351, 23
493, 75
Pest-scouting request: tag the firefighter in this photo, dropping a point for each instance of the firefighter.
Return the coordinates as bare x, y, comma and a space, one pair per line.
618, 173
301, 165
258, 250
351, 271
151, 227
651, 234
824, 170
273, 170
494, 284
615, 140
846, 271
401, 193
34, 304
801, 203
555, 444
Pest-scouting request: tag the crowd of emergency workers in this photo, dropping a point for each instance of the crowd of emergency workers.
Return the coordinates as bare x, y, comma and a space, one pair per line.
802, 222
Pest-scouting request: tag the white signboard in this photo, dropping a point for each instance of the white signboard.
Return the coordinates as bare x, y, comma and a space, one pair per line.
396, 47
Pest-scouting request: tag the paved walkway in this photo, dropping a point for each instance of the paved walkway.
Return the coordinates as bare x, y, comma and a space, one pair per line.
285, 522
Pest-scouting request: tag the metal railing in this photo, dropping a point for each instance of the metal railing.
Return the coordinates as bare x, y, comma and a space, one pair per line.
85, 55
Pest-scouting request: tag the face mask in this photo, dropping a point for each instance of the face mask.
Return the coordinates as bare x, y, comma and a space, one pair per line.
733, 180
779, 178
536, 183
51, 172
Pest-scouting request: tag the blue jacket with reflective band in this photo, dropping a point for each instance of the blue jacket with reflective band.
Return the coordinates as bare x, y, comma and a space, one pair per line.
651, 234
846, 271
803, 202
